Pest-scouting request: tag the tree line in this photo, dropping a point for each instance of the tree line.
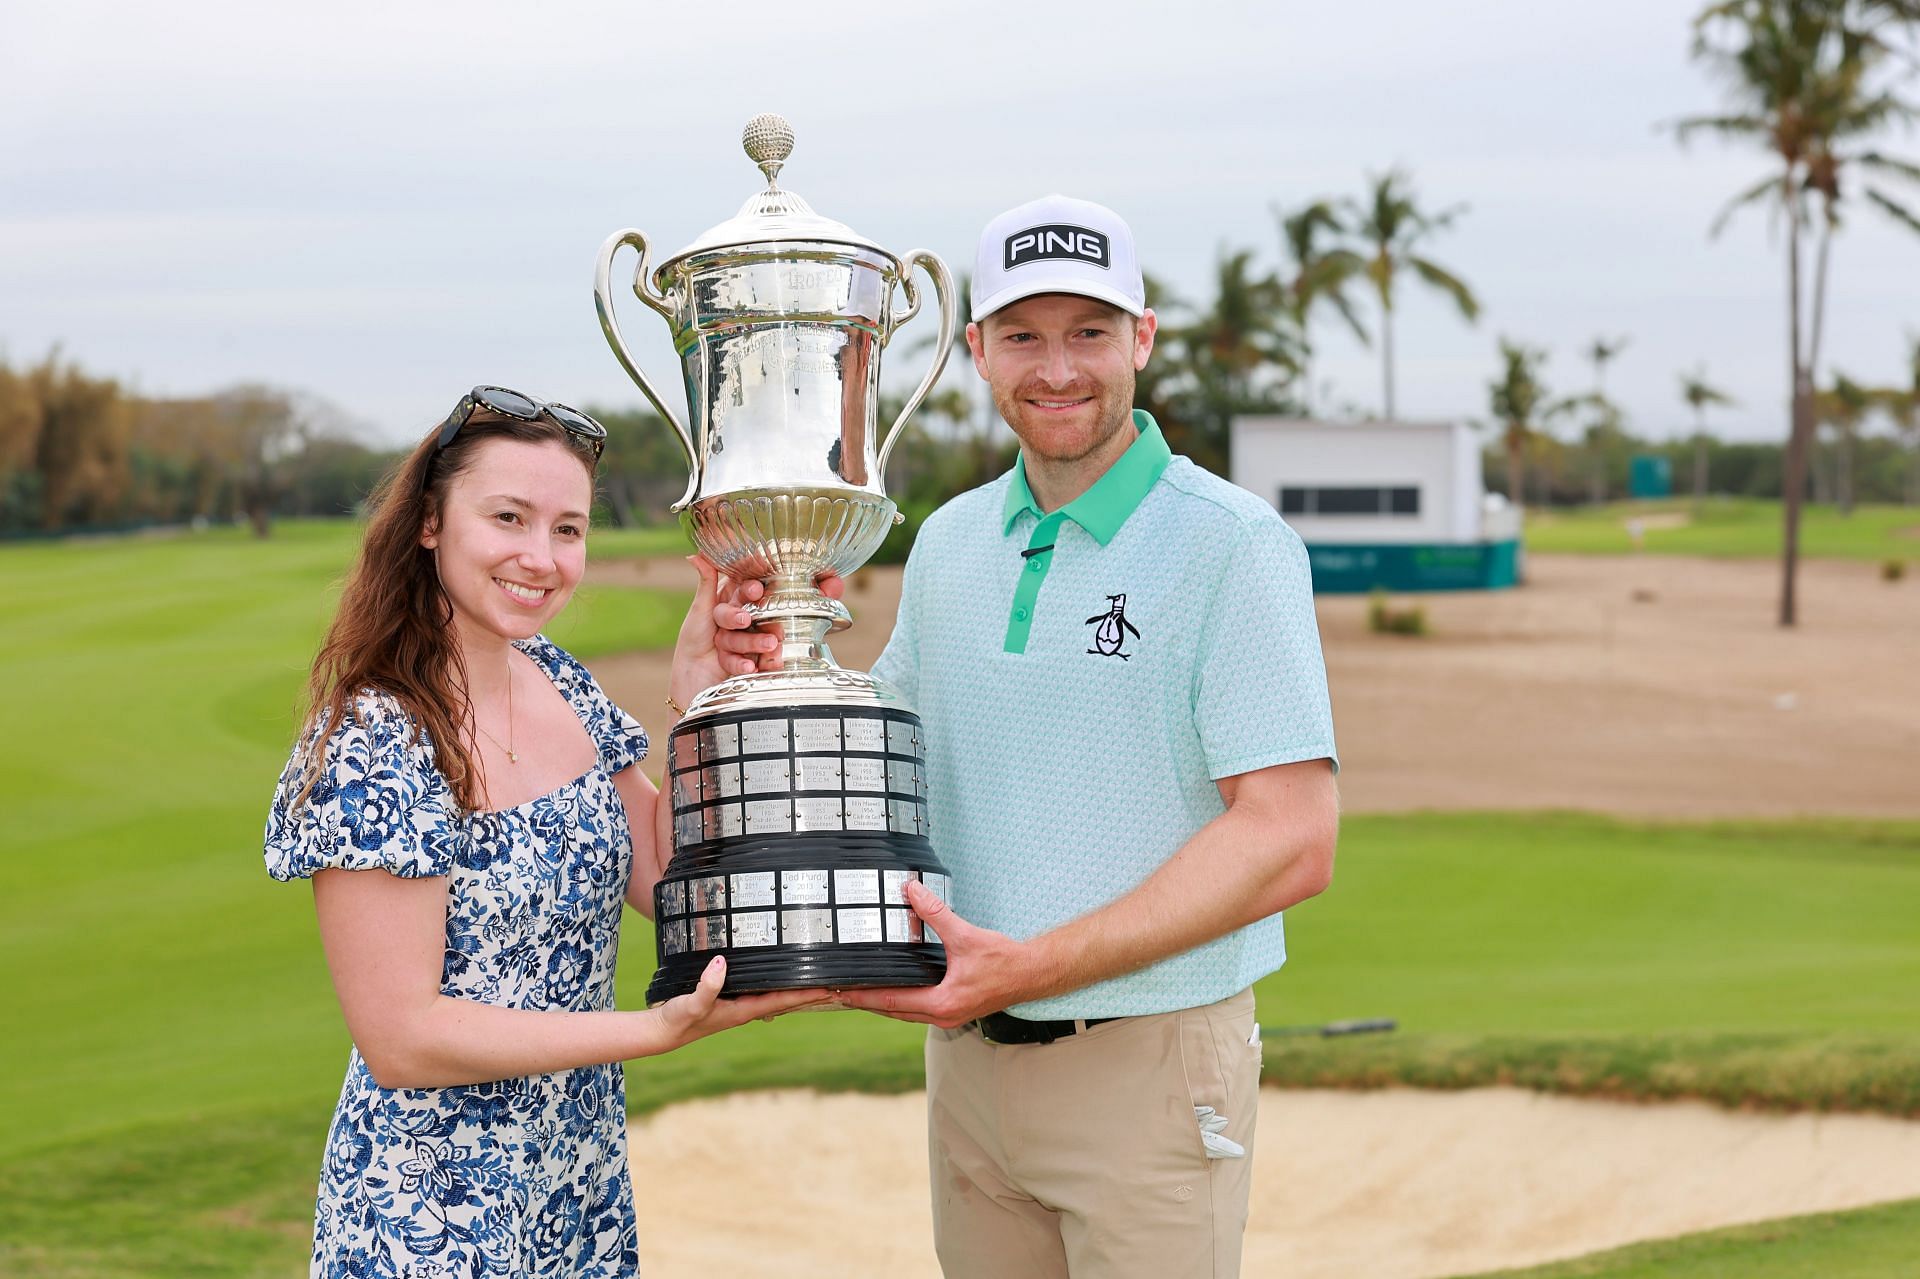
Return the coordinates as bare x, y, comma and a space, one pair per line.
1557, 449
81, 452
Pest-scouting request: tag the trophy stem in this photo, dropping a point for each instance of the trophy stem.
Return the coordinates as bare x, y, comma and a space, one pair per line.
803, 642
802, 616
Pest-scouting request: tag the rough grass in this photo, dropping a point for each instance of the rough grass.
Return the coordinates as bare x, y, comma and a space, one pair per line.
1869, 1243
1728, 527
226, 1192
1778, 1071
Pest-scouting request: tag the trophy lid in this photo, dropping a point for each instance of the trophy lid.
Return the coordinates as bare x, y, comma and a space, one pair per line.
772, 214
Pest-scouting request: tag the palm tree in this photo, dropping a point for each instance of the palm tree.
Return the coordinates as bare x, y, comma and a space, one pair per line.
1845, 109
1843, 406
1164, 387
960, 398
1699, 394
1519, 403
1902, 404
1316, 274
1798, 74
1393, 227
1246, 332
1247, 329
1606, 421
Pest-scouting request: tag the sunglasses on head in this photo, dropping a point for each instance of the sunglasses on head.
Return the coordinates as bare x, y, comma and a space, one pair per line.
526, 409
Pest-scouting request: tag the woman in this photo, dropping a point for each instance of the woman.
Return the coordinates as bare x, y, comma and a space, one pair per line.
465, 800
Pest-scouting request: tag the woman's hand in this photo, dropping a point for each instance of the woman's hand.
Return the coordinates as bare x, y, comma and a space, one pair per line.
717, 640
385, 941
699, 658
701, 1012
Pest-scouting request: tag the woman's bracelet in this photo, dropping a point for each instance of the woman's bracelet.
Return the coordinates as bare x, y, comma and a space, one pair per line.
678, 709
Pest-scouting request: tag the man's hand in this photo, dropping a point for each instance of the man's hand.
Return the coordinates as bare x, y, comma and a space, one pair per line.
1273, 847
986, 971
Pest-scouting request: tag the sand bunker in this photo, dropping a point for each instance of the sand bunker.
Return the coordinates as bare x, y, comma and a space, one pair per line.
1393, 1185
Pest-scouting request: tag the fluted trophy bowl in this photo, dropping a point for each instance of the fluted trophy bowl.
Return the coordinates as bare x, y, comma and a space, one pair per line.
798, 794
787, 539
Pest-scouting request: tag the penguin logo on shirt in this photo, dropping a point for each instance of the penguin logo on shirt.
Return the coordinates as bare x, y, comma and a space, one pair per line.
1109, 633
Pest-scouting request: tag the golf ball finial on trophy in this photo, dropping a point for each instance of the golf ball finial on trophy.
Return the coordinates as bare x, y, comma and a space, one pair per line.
799, 799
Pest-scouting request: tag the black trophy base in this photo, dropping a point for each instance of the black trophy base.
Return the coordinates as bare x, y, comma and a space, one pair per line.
796, 830
847, 967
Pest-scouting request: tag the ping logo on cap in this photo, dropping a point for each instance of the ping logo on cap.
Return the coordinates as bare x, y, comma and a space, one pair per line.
1058, 240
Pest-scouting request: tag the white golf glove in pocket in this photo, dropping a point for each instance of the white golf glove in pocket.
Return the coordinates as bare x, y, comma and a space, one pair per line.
1213, 1129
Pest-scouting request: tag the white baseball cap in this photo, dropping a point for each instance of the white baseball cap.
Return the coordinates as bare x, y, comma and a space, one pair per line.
1057, 245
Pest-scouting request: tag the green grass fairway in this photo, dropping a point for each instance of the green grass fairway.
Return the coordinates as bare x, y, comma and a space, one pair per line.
174, 1049
1871, 1243
1567, 924
1729, 527
152, 686
633, 543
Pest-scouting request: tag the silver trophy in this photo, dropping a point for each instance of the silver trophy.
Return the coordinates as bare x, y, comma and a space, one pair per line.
799, 795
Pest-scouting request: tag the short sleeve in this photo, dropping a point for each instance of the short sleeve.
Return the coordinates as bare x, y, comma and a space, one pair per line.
618, 737
378, 802
899, 662
1261, 683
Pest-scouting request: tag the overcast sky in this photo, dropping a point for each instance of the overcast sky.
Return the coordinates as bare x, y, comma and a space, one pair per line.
386, 203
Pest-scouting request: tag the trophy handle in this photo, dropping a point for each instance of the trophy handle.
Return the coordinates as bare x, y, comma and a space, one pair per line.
943, 288
610, 325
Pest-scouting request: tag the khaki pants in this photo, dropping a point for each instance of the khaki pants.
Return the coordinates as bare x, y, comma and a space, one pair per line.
1083, 1157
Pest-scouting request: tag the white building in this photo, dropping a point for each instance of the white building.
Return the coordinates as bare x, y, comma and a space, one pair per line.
1388, 504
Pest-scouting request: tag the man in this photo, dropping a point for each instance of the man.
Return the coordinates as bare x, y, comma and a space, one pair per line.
1131, 775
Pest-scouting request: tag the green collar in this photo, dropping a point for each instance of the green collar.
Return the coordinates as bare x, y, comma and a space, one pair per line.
1102, 509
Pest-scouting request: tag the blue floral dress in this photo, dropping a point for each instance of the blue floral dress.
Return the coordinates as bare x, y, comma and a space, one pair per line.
519, 1177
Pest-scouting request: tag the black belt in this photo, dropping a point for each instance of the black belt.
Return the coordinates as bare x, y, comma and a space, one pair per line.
1005, 1028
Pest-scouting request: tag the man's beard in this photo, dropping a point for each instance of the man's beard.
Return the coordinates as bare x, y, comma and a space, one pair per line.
1113, 405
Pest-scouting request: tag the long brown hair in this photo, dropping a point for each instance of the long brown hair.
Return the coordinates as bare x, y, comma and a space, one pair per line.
393, 631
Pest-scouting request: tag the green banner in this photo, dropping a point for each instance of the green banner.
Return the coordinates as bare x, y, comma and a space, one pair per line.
1469, 566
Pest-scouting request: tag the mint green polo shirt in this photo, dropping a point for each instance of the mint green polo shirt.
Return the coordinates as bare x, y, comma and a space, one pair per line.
1085, 677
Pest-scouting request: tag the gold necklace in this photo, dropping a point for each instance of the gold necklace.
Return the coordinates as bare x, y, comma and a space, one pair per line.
507, 746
